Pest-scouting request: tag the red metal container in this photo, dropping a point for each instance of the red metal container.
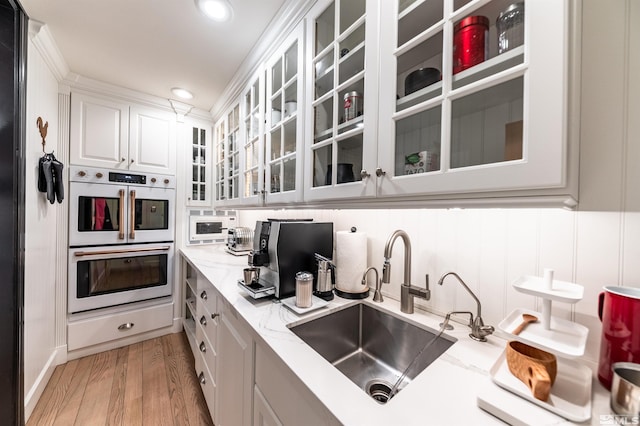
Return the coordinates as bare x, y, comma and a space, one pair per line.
619, 311
470, 42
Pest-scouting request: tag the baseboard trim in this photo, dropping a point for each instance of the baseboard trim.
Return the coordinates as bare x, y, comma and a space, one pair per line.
31, 398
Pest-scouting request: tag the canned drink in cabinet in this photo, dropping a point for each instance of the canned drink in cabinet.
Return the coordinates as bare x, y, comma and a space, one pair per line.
352, 105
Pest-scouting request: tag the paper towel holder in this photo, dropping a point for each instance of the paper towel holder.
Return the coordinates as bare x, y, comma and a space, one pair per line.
361, 293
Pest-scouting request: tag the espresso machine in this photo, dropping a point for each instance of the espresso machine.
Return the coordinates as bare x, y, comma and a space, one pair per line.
282, 248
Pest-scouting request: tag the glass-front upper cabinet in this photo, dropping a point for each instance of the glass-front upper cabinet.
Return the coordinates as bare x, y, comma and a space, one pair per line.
284, 130
341, 106
227, 157
252, 146
198, 136
472, 96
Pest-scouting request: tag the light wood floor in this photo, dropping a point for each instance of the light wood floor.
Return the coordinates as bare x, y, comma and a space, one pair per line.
148, 383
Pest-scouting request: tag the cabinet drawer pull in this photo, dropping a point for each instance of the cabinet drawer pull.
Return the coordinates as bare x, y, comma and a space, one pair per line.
380, 172
364, 174
201, 378
126, 326
203, 295
214, 316
203, 320
203, 348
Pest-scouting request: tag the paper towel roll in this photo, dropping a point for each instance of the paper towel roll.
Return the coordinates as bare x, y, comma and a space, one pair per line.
351, 261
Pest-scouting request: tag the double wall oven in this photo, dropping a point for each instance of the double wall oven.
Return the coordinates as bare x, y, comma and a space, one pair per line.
121, 233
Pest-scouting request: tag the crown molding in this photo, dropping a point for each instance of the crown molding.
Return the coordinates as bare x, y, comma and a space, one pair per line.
45, 45
287, 18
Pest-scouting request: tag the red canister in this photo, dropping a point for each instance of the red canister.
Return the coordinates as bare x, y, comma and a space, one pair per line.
470, 42
619, 311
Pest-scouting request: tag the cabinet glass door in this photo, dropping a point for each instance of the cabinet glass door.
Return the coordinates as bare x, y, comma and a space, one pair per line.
233, 148
253, 140
284, 126
456, 95
343, 72
220, 165
199, 138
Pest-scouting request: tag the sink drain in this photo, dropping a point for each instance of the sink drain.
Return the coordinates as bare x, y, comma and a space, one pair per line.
379, 390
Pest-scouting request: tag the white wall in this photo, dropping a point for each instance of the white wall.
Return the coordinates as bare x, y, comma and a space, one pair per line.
40, 232
596, 246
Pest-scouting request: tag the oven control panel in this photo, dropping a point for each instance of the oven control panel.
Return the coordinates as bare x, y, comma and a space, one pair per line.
115, 177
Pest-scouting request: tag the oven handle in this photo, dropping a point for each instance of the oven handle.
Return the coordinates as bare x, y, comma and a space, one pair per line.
132, 215
121, 216
122, 251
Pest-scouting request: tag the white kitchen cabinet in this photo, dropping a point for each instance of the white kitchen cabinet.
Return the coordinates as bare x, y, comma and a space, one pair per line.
234, 375
118, 135
223, 349
198, 145
283, 398
251, 140
227, 158
500, 125
263, 414
342, 99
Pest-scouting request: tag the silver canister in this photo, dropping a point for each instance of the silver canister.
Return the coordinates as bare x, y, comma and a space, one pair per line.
625, 389
510, 27
304, 289
352, 105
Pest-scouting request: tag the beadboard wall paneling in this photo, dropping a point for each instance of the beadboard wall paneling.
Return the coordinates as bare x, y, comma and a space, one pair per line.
40, 231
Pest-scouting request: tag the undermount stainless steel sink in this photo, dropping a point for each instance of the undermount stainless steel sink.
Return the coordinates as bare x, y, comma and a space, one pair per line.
373, 348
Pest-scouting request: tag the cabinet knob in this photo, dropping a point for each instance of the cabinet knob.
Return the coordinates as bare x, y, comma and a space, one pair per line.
166, 181
131, 161
203, 348
364, 174
201, 378
380, 172
99, 175
82, 173
214, 316
203, 295
122, 160
203, 320
153, 180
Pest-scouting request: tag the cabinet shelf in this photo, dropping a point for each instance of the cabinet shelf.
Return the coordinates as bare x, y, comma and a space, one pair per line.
489, 67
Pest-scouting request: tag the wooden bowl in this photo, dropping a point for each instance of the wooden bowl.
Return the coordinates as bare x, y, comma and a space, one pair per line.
534, 367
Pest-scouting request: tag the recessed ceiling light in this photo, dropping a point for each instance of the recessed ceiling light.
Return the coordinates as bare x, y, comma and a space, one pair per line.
218, 10
182, 93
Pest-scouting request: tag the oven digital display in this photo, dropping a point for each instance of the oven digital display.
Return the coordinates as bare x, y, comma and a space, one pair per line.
127, 178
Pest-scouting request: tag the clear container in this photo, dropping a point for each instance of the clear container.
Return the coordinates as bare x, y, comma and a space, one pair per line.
510, 27
304, 289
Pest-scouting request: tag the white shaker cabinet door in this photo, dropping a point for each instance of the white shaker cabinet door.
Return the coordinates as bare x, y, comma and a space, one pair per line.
99, 132
152, 146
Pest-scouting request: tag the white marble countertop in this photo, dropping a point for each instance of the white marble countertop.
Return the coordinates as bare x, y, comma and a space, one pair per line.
446, 392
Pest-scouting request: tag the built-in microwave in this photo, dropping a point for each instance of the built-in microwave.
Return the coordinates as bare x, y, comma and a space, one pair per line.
205, 228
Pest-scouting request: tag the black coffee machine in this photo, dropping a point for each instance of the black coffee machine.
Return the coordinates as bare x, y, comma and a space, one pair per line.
281, 248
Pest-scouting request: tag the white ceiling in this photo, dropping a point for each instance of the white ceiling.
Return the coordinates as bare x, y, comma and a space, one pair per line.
154, 45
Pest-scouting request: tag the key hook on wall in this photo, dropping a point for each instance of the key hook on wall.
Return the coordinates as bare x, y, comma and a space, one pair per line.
43, 131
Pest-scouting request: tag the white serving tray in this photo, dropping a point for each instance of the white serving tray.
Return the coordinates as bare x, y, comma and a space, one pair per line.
570, 395
316, 303
561, 291
564, 338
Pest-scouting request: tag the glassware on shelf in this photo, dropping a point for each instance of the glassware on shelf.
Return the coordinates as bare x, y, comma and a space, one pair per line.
510, 27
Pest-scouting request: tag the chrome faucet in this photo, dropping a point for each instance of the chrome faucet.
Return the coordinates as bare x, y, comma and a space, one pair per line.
479, 331
377, 295
407, 291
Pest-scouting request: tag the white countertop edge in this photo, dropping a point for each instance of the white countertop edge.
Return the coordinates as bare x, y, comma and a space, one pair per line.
444, 393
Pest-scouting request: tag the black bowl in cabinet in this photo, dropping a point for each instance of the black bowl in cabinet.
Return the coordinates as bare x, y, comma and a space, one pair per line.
420, 79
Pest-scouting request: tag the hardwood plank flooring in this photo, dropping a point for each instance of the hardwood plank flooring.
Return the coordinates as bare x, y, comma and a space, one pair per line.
147, 383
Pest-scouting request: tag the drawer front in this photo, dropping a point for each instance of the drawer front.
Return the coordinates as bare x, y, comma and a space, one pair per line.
208, 297
208, 322
207, 384
206, 350
92, 331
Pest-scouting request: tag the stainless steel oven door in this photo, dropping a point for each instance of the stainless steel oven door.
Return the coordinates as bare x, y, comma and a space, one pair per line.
103, 214
101, 277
